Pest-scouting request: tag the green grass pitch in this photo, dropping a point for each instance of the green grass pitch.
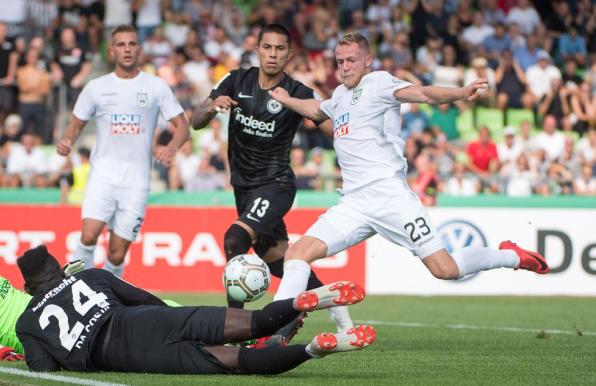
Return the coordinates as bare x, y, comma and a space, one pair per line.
424, 340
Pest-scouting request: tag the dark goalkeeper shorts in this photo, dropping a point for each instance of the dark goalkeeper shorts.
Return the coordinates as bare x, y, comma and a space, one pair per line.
264, 207
160, 339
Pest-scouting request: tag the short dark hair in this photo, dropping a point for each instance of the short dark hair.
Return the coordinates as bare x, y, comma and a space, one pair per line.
275, 28
39, 268
123, 28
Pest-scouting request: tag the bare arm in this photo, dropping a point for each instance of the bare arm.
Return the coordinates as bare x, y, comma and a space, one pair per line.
206, 111
439, 95
309, 108
166, 154
71, 133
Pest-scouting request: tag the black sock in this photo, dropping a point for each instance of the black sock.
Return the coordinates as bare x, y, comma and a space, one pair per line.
272, 359
237, 241
272, 317
277, 269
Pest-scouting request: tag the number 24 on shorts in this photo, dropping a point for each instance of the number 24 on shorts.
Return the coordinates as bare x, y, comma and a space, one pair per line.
417, 229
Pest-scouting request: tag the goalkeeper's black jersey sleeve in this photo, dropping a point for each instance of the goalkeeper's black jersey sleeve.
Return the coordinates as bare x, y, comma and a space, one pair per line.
59, 326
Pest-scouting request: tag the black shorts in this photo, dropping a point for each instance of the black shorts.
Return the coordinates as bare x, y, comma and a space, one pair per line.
160, 339
264, 208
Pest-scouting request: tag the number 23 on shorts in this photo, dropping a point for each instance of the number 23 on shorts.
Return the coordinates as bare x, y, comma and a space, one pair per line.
417, 229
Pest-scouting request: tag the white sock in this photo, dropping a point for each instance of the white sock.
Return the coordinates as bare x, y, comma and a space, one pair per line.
117, 270
85, 254
341, 316
294, 281
475, 259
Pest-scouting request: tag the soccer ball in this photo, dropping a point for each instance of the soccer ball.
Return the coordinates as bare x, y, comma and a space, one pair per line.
246, 278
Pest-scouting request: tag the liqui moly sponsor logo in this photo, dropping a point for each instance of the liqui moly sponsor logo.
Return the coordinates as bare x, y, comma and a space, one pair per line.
340, 125
126, 123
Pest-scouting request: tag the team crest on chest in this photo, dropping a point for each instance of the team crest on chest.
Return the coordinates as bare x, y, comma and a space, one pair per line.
273, 106
356, 93
142, 99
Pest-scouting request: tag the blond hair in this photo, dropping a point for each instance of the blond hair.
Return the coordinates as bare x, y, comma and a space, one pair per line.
354, 37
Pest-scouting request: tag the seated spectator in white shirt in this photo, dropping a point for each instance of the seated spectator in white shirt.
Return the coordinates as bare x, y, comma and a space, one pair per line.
475, 34
461, 184
525, 16
510, 149
519, 177
27, 164
540, 76
550, 140
585, 184
186, 166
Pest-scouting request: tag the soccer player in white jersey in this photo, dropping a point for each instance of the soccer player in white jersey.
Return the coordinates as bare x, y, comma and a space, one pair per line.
126, 104
376, 198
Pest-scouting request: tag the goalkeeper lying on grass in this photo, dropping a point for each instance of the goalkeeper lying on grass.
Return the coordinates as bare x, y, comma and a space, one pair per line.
94, 321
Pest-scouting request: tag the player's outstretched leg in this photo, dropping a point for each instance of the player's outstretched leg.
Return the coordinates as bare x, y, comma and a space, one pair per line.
528, 260
336, 294
355, 338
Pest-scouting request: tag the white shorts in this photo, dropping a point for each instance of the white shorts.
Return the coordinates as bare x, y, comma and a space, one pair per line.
123, 210
387, 207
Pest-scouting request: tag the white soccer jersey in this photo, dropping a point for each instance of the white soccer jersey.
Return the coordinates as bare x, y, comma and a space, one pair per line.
367, 128
126, 111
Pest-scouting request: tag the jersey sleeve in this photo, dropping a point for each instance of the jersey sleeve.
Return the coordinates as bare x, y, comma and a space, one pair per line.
168, 104
36, 356
305, 92
84, 108
328, 107
386, 84
225, 86
128, 294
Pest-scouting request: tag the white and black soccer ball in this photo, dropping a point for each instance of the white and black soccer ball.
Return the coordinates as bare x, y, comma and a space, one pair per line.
246, 278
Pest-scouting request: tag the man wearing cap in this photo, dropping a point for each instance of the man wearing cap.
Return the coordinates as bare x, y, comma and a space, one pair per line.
540, 76
479, 69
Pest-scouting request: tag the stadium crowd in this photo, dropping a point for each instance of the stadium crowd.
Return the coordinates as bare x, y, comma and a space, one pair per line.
533, 132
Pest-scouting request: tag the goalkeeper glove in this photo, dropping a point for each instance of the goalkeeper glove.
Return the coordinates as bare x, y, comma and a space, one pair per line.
73, 267
8, 354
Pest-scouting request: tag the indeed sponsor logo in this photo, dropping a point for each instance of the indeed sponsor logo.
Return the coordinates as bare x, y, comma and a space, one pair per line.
253, 123
125, 123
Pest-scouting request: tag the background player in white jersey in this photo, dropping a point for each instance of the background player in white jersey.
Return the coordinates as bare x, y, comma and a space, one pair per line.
126, 104
375, 196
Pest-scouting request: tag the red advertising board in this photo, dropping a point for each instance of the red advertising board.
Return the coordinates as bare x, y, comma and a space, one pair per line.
178, 248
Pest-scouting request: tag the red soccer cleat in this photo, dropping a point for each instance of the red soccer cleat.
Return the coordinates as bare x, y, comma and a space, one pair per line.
355, 338
528, 260
341, 293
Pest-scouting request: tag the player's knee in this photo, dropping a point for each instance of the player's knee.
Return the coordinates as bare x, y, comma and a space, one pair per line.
445, 272
237, 240
88, 238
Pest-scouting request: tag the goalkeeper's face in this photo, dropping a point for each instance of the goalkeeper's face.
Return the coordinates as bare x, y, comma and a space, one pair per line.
125, 50
353, 62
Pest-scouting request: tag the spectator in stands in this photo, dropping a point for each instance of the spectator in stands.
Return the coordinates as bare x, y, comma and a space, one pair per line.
207, 178
196, 70
213, 138
529, 54
8, 72
483, 155
176, 28
571, 79
573, 46
584, 108
13, 129
148, 16
26, 165
480, 69
158, 48
555, 102
525, 16
426, 182
474, 35
491, 12
494, 45
540, 76
516, 38
558, 180
427, 57
185, 167
550, 140
525, 137
444, 118
519, 177
414, 122
72, 65
569, 158
585, 184
219, 44
42, 17
307, 176
586, 147
448, 73
509, 150
511, 84
461, 183
33, 85
399, 51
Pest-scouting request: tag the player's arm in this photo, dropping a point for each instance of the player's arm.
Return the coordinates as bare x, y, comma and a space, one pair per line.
220, 100
130, 295
439, 95
71, 133
166, 154
309, 108
36, 356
